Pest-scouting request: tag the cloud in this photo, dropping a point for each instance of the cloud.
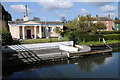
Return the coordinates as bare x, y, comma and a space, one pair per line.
84, 11
59, 0
98, 4
56, 4
60, 14
108, 8
19, 8
112, 14
97, 0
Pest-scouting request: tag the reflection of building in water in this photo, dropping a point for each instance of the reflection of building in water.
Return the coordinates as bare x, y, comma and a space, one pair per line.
91, 62
85, 63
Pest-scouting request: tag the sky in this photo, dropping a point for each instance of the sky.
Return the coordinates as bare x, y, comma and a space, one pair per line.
55, 9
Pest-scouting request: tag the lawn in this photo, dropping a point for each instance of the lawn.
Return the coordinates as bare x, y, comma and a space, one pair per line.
43, 40
99, 42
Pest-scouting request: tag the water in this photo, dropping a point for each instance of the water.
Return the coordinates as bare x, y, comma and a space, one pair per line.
94, 66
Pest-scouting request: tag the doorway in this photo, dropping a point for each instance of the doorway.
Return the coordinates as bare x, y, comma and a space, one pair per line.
28, 33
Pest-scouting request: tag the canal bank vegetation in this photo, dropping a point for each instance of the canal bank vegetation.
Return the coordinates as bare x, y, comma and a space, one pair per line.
84, 32
90, 43
44, 40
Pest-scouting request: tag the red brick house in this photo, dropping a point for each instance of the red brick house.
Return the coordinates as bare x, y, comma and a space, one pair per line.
106, 20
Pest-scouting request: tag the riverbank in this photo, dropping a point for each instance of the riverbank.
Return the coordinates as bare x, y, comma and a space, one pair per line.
100, 43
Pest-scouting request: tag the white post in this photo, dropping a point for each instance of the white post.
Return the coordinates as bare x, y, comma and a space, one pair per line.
35, 32
40, 32
23, 32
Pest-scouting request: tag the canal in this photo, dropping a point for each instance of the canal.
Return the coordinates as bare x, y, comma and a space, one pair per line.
93, 66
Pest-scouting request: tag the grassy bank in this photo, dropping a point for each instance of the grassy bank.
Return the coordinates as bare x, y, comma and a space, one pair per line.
99, 42
43, 40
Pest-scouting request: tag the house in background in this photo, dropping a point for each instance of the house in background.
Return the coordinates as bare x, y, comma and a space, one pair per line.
106, 20
27, 29
33, 29
116, 25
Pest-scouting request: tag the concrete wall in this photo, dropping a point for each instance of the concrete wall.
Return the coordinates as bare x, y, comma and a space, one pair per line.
68, 48
38, 46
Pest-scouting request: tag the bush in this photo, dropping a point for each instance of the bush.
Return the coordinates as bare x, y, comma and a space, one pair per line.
14, 42
87, 37
108, 32
112, 36
97, 37
6, 38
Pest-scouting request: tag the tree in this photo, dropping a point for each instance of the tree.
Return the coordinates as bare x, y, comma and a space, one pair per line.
63, 19
82, 25
36, 19
59, 31
116, 18
19, 19
100, 26
6, 36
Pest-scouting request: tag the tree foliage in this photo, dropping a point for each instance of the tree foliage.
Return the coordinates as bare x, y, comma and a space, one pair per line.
57, 30
82, 25
6, 36
63, 19
100, 26
36, 19
19, 19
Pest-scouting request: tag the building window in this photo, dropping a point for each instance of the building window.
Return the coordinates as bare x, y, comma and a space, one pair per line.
106, 23
42, 29
49, 29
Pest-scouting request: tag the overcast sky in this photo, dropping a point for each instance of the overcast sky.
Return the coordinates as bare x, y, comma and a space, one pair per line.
55, 9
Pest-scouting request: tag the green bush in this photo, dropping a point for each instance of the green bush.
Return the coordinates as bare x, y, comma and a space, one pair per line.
6, 38
87, 37
14, 42
97, 37
112, 36
108, 32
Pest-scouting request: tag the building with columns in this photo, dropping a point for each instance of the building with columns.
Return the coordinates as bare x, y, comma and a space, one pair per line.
33, 29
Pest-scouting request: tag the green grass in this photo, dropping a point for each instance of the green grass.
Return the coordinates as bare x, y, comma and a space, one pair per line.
43, 40
99, 42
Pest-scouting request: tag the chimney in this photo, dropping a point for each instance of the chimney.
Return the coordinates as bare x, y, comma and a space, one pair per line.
108, 15
26, 16
97, 15
78, 18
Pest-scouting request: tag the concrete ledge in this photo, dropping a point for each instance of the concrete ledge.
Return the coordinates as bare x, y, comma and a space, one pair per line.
81, 47
38, 46
68, 48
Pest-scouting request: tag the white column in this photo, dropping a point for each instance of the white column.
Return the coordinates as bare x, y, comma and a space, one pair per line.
40, 32
23, 32
35, 32
46, 31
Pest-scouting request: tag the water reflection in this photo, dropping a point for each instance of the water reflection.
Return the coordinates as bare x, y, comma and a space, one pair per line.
86, 63
89, 63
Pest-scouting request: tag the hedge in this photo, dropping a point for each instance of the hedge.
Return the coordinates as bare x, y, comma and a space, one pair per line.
97, 37
112, 36
108, 32
87, 38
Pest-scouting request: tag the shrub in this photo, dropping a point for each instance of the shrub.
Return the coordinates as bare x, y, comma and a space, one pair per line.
108, 32
6, 38
87, 37
112, 36
14, 42
97, 37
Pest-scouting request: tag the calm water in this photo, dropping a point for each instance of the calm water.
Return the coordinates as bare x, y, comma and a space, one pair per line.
95, 66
